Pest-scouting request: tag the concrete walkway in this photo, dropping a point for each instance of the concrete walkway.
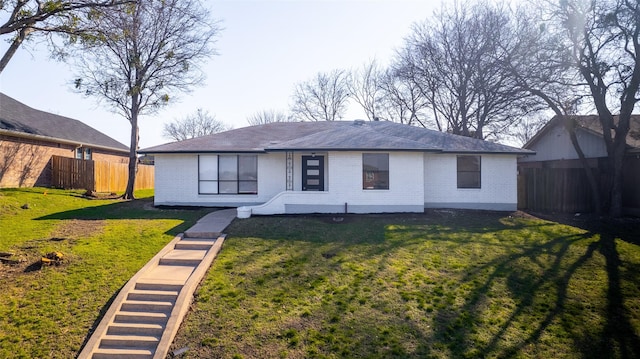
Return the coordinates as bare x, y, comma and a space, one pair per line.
146, 314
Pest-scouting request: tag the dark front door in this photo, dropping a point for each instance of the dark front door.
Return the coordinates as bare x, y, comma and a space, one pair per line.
313, 173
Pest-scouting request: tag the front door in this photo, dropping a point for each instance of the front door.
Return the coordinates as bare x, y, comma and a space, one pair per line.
313, 173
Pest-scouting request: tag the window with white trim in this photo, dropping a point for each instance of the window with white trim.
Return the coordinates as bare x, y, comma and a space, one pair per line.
227, 174
469, 173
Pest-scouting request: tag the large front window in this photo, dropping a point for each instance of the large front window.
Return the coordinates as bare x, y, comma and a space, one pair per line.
375, 171
468, 171
227, 174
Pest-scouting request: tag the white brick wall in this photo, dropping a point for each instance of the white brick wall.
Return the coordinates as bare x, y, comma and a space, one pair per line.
498, 183
416, 180
176, 181
344, 185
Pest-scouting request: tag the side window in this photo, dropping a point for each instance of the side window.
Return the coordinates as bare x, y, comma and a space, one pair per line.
469, 172
375, 171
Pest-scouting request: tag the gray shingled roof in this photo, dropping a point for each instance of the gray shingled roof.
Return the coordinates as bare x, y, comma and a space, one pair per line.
333, 136
18, 118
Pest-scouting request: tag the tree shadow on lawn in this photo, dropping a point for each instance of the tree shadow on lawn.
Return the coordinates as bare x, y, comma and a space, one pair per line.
529, 286
135, 209
519, 302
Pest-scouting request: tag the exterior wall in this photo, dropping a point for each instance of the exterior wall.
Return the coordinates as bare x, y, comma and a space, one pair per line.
176, 182
344, 191
498, 183
416, 181
556, 145
27, 163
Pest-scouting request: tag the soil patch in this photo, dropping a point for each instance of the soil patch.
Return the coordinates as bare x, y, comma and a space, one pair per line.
27, 258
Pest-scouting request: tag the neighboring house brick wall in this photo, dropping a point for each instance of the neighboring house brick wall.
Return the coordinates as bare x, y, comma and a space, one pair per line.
27, 162
498, 183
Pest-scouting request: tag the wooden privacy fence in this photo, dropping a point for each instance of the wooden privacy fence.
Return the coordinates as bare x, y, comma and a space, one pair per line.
99, 176
554, 190
561, 189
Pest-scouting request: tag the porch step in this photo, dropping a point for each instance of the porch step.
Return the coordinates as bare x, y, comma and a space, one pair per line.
129, 341
179, 262
195, 245
141, 317
153, 295
158, 286
183, 257
146, 306
135, 329
127, 353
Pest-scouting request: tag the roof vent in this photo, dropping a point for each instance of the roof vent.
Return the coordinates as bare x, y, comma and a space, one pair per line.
358, 122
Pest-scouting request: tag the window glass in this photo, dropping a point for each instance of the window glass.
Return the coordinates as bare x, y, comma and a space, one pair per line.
248, 168
228, 186
209, 187
87, 153
79, 153
375, 171
208, 169
228, 174
248, 187
228, 168
468, 171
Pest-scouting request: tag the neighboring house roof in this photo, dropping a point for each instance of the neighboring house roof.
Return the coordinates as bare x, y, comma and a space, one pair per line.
334, 136
18, 119
591, 124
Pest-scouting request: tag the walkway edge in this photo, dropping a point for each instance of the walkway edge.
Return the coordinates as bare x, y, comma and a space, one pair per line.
183, 301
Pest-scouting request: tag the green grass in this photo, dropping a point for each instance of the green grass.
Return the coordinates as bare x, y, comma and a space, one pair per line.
48, 312
440, 285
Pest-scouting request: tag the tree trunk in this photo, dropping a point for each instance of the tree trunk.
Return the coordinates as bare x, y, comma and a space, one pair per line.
569, 124
615, 209
133, 150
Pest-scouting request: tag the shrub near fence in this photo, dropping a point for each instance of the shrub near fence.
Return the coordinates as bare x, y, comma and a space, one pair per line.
99, 176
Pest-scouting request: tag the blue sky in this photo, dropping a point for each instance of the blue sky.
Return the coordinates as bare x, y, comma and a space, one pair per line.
265, 48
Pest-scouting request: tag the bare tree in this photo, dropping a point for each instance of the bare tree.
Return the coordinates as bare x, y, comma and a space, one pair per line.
451, 60
401, 100
268, 116
27, 17
142, 57
584, 55
323, 98
197, 124
603, 37
364, 88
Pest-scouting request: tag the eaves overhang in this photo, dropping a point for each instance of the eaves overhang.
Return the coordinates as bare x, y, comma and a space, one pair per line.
60, 140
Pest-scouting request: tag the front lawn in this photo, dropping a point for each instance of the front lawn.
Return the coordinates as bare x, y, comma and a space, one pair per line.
47, 312
446, 284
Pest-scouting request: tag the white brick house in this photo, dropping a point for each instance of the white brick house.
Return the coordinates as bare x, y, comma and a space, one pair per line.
336, 167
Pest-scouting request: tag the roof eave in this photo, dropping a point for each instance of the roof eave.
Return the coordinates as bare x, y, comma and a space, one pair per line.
187, 152
60, 140
349, 149
515, 153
